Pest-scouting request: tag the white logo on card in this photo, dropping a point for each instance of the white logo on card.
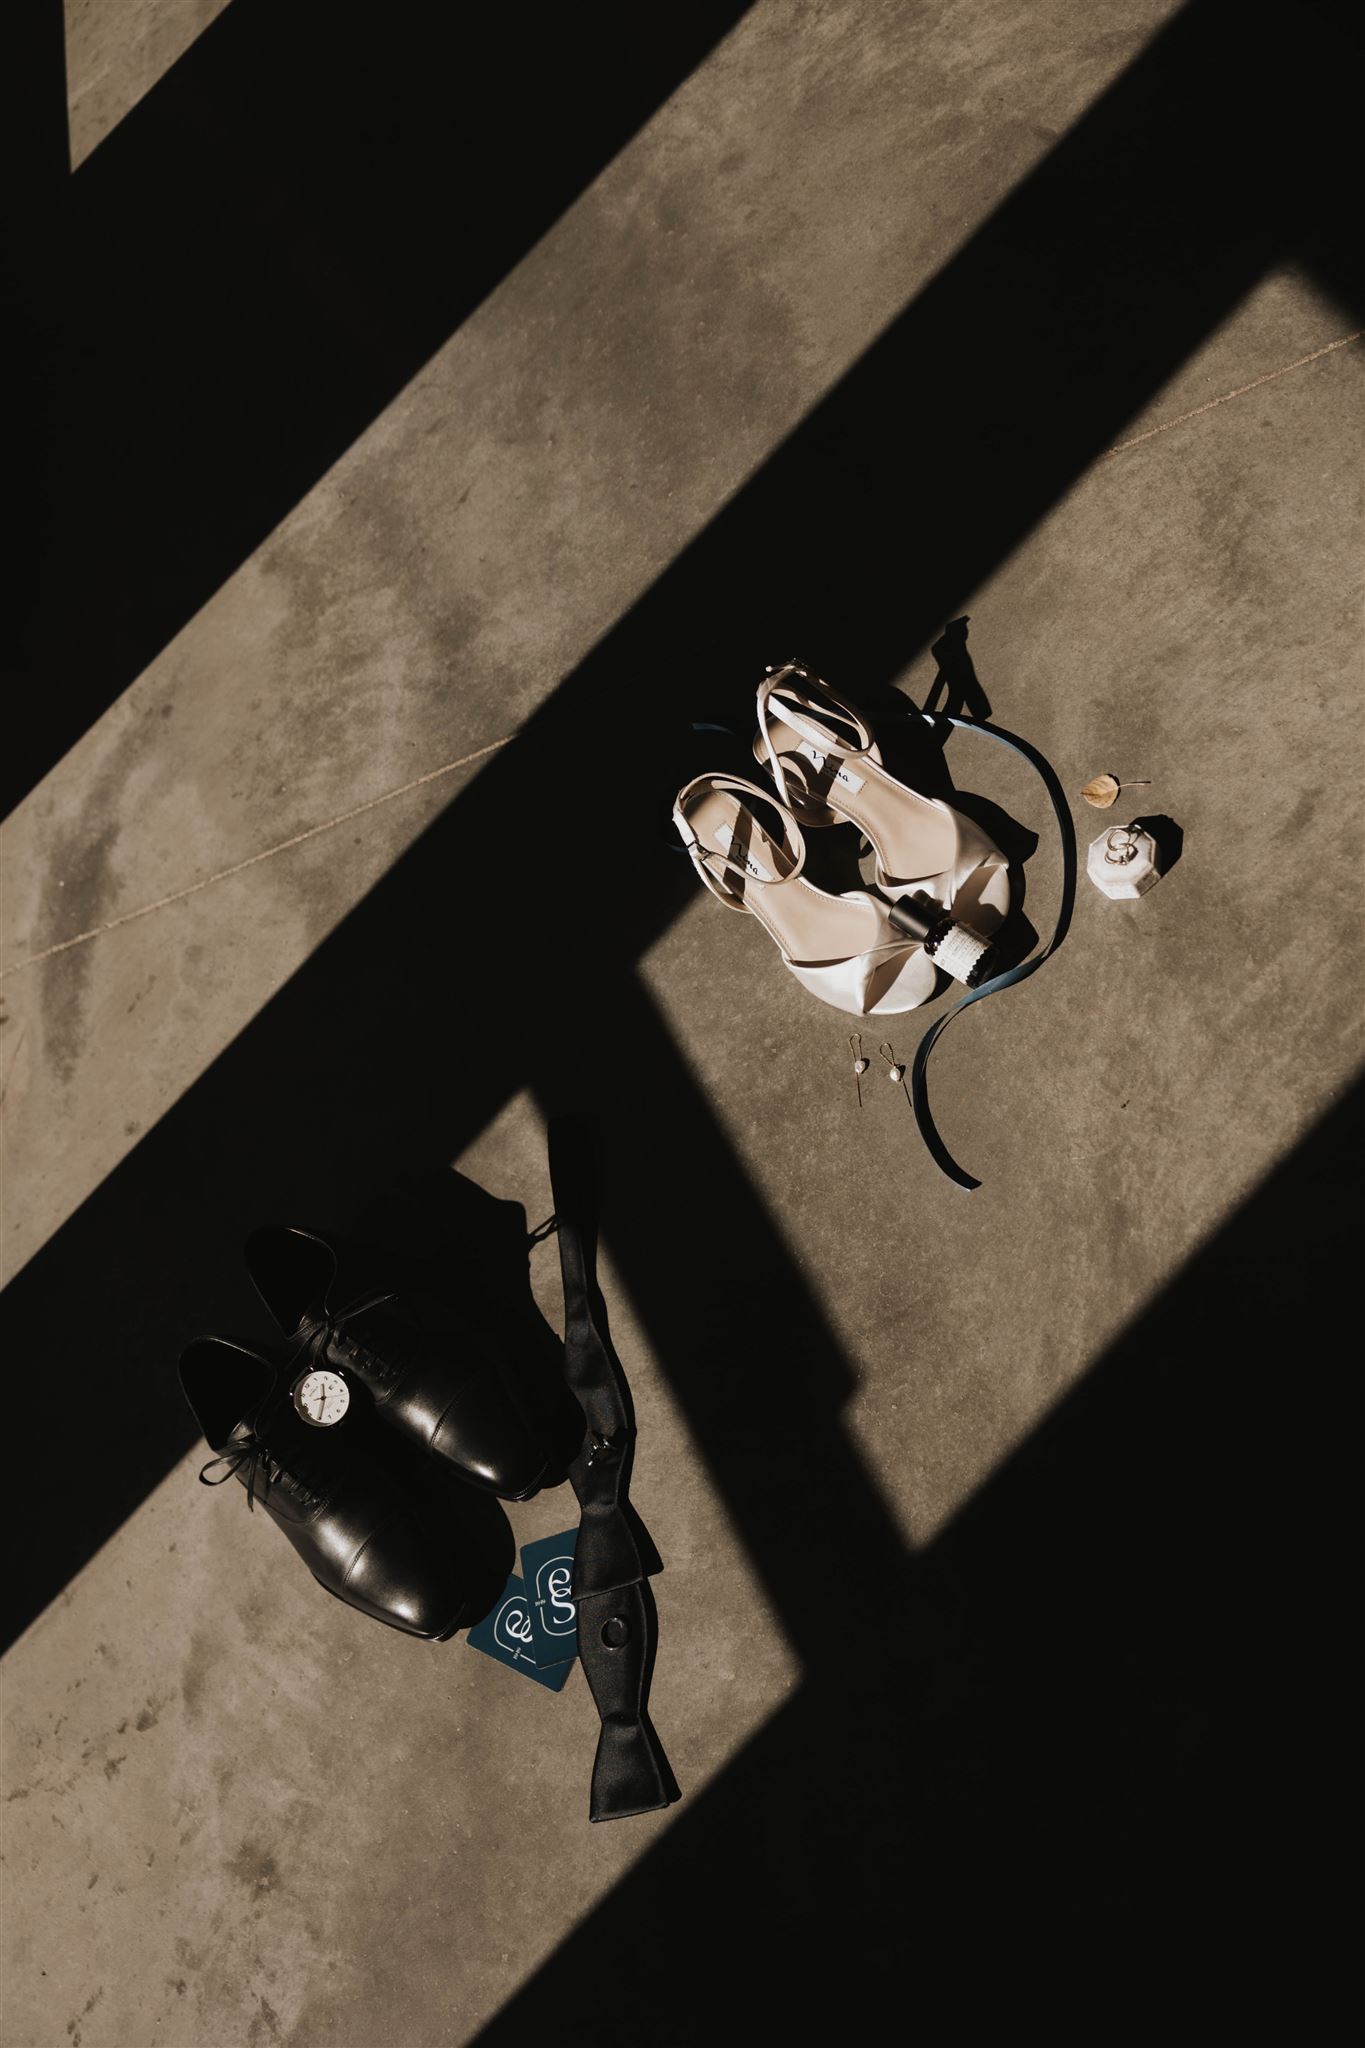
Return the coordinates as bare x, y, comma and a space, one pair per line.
512, 1628
558, 1614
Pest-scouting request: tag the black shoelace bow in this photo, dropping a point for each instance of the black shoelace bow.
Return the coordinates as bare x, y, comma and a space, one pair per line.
262, 1464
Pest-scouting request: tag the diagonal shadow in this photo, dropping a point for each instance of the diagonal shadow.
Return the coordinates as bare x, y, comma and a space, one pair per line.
40, 152
38, 114
257, 259
408, 1028
1082, 1761
302, 210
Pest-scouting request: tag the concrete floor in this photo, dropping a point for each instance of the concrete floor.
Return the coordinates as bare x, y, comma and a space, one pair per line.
235, 1811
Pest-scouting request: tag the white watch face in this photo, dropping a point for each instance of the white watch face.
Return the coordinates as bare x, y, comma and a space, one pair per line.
322, 1398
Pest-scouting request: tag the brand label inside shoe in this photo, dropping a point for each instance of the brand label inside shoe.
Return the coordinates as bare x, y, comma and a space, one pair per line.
842, 774
729, 844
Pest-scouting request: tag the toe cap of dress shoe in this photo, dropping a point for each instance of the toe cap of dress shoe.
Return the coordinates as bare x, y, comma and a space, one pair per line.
482, 1437
415, 1578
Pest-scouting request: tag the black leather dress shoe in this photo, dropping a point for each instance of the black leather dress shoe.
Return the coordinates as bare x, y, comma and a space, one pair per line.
379, 1538
469, 1394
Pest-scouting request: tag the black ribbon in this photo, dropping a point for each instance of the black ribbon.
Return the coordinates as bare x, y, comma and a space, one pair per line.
919, 1086
617, 1620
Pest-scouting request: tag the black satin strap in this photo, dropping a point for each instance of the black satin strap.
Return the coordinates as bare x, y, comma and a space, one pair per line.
919, 1087
617, 1622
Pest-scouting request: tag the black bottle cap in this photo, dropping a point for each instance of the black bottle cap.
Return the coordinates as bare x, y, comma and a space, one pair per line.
918, 916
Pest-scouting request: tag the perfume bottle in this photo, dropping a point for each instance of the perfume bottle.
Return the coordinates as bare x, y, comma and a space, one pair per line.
953, 946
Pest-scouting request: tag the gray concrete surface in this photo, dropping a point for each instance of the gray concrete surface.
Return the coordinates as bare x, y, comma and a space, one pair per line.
115, 54
232, 1816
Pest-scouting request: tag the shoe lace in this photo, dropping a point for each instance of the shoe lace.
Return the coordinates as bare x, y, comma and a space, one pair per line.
263, 1466
264, 1469
317, 1334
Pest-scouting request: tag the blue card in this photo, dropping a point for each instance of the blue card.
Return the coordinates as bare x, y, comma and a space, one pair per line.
505, 1634
547, 1568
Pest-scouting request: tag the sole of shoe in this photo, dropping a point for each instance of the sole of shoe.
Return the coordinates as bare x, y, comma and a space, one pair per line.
417, 1635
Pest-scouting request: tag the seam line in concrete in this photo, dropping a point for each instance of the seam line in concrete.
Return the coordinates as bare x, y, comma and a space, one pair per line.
1228, 396
448, 767
253, 860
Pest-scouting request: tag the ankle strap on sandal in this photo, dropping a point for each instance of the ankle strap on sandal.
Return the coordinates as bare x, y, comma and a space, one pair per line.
793, 687
702, 856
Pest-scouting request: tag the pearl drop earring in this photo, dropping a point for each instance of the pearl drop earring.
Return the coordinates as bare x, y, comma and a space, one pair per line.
894, 1070
855, 1042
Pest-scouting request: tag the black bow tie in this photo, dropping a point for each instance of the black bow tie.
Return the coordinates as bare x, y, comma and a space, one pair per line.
613, 1558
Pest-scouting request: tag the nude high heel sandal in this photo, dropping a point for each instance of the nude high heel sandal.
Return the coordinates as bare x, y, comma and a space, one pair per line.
844, 949
824, 758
